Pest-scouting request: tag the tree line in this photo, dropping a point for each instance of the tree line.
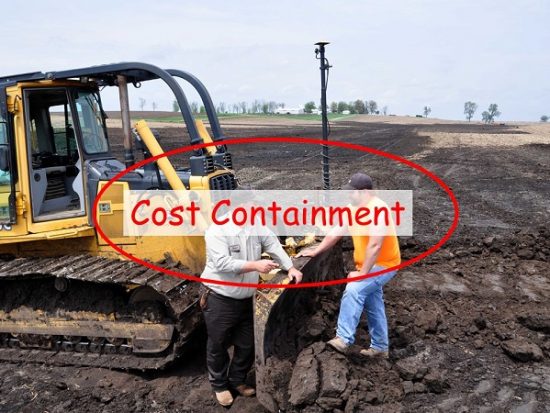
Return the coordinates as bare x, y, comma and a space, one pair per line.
354, 107
255, 107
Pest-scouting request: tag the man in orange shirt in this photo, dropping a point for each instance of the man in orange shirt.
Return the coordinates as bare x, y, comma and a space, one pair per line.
371, 253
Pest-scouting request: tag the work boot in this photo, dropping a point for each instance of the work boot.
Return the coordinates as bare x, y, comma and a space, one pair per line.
373, 353
224, 398
245, 390
338, 344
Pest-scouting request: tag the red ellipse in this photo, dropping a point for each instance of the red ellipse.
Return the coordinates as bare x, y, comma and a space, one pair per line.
311, 141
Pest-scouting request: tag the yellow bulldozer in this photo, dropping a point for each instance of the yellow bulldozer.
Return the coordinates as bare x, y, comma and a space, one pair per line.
65, 296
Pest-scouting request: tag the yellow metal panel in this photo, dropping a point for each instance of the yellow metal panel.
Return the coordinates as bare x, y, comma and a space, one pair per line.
111, 220
10, 237
190, 251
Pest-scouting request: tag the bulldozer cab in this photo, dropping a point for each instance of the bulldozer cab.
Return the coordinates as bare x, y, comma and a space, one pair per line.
55, 152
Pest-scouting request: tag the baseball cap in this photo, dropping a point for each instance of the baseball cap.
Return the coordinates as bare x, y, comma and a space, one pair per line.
359, 180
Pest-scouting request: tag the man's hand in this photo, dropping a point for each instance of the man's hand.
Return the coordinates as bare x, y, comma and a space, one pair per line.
354, 274
307, 252
295, 274
264, 266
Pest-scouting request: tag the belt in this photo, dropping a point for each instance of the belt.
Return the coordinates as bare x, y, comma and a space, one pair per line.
225, 297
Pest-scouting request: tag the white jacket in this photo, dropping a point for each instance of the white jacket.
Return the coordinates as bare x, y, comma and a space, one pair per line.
227, 254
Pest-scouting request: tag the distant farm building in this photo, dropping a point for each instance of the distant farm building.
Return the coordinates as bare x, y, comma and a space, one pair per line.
289, 111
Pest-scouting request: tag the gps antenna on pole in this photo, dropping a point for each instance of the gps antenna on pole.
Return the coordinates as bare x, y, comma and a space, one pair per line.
320, 54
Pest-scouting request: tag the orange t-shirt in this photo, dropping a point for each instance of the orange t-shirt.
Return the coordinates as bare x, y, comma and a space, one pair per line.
389, 255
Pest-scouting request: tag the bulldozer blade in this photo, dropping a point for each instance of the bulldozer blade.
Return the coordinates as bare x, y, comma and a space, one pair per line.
276, 312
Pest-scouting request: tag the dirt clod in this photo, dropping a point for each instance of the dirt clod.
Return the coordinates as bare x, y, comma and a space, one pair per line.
522, 350
334, 375
436, 382
537, 321
304, 383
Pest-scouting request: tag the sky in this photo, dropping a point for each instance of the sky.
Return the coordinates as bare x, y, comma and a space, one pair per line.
405, 54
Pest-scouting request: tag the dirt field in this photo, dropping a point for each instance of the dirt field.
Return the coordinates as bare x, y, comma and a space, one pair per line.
469, 326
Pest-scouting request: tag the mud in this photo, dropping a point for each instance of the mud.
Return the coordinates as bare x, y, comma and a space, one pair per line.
458, 338
469, 326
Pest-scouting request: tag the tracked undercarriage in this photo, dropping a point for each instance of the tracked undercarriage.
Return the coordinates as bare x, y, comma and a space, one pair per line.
94, 311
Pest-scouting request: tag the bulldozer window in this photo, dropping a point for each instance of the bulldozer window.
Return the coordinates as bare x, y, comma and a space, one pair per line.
56, 165
5, 175
91, 122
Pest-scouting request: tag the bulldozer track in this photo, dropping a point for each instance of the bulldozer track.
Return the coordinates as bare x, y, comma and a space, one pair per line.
34, 340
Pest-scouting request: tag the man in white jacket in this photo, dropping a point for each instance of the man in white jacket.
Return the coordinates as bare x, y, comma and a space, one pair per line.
234, 254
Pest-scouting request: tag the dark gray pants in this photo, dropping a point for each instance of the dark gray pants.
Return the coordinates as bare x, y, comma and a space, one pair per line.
228, 322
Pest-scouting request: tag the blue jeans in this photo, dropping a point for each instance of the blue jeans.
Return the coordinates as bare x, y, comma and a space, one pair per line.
365, 294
